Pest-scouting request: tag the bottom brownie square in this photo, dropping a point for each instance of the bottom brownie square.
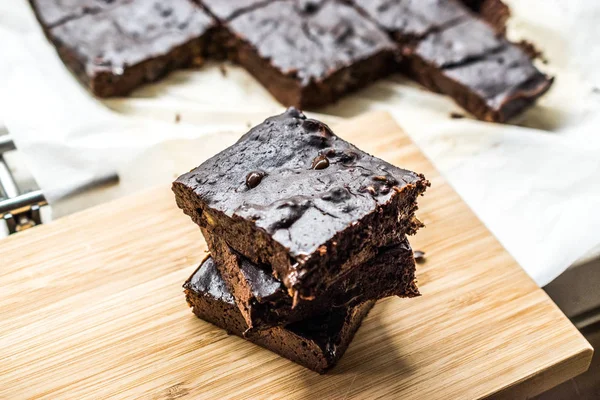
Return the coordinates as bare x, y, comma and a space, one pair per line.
265, 302
316, 343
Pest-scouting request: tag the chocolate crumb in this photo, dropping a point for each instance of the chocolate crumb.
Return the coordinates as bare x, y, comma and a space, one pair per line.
177, 118
532, 51
455, 115
419, 256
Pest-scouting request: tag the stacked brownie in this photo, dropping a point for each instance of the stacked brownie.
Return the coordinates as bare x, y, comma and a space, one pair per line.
307, 53
305, 233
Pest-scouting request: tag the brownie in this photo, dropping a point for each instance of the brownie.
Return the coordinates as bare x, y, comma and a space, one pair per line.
316, 343
265, 302
51, 13
293, 195
495, 87
450, 50
308, 53
114, 51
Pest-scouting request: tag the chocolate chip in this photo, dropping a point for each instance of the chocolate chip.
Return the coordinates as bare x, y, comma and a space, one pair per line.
419, 256
320, 162
254, 178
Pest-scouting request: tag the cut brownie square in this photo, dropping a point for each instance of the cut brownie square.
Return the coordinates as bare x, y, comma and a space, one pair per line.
452, 51
293, 195
116, 50
265, 302
307, 53
316, 343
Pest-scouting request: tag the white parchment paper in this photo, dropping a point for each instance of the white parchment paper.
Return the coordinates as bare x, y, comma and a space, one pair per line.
535, 184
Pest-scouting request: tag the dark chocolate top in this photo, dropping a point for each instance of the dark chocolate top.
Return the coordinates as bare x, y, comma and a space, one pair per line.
131, 33
501, 77
226, 9
313, 184
55, 12
310, 40
207, 281
413, 18
464, 41
262, 283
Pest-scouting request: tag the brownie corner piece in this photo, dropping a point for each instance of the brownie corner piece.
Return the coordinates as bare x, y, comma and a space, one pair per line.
451, 50
114, 50
309, 53
293, 195
316, 343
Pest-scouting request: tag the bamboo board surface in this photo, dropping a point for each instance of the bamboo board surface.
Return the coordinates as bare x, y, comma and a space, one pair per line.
91, 306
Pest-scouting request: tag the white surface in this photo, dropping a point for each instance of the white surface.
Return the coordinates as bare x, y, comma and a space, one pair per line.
536, 188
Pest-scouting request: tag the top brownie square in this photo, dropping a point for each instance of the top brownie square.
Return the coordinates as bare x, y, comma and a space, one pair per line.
293, 196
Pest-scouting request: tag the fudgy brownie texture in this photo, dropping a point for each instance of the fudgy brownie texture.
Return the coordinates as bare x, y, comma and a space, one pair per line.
316, 343
265, 302
293, 195
309, 53
137, 41
495, 80
54, 12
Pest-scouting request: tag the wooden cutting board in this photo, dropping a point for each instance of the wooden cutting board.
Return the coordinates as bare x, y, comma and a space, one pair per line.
91, 306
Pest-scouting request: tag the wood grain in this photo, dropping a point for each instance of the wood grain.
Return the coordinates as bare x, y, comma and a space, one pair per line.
92, 307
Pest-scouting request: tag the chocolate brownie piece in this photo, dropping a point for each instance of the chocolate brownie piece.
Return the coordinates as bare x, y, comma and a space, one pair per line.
316, 343
51, 13
495, 87
293, 195
439, 38
114, 51
265, 302
309, 53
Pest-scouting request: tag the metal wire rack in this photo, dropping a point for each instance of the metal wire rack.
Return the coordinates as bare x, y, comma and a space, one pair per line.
19, 210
